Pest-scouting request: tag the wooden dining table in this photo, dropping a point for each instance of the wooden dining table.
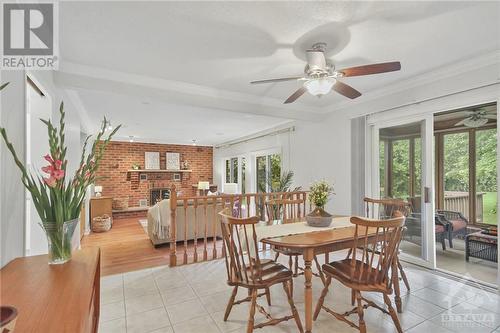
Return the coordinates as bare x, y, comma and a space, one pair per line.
323, 242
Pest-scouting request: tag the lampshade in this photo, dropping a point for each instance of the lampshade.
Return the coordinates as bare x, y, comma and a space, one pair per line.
319, 86
203, 185
98, 189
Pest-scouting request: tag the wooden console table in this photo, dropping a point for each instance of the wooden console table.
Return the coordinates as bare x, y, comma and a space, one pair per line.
54, 298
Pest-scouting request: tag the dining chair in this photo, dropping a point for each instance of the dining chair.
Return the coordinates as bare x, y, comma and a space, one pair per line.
289, 210
385, 209
366, 271
246, 270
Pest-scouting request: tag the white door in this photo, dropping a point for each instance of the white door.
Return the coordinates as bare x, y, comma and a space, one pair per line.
402, 167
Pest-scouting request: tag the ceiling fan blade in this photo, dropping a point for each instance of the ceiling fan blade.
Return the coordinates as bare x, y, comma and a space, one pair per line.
490, 116
371, 69
277, 80
461, 122
299, 92
346, 90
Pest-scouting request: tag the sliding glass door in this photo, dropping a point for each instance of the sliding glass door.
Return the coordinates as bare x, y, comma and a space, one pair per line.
402, 160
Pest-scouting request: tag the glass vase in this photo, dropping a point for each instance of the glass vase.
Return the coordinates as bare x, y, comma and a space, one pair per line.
59, 237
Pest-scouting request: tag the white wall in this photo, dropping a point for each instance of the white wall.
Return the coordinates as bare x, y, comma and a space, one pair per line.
12, 117
314, 151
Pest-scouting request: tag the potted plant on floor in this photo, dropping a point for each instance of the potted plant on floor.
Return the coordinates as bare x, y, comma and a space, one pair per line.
319, 195
57, 197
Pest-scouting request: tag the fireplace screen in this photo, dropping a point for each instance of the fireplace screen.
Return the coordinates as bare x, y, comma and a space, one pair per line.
158, 194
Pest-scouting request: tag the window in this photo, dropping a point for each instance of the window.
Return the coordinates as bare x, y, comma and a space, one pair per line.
268, 172
232, 170
468, 180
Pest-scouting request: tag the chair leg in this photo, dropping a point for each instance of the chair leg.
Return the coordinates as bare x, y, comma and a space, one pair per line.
353, 297
443, 243
251, 316
230, 303
290, 263
276, 256
320, 271
450, 238
268, 297
393, 313
322, 297
362, 324
296, 269
403, 274
288, 286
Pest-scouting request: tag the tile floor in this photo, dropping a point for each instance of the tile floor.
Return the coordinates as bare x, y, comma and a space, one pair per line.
192, 298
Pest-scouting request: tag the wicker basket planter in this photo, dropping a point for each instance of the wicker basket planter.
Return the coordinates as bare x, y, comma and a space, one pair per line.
101, 223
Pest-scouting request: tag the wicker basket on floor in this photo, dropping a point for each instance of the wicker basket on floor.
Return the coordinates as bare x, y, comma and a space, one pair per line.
101, 223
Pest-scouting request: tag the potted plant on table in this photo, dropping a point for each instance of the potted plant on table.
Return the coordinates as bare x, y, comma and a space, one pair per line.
319, 195
57, 197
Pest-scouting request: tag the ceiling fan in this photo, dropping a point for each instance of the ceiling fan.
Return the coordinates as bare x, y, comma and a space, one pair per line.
320, 75
477, 118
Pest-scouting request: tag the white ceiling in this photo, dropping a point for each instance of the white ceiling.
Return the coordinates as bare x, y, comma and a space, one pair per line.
153, 121
203, 54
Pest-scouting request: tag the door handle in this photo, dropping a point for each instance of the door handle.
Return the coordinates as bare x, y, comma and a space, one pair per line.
427, 195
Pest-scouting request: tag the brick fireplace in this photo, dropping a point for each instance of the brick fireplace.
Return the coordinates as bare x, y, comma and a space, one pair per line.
120, 183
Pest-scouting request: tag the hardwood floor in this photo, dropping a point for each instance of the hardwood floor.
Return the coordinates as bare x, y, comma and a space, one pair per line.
126, 247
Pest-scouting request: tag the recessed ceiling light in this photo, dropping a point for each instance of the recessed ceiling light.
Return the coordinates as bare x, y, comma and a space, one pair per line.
219, 133
131, 138
193, 142
145, 102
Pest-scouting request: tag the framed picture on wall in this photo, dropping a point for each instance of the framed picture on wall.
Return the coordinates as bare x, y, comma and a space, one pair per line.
176, 177
152, 160
143, 176
173, 161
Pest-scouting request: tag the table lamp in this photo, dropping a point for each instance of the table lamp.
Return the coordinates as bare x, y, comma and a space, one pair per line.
98, 190
203, 187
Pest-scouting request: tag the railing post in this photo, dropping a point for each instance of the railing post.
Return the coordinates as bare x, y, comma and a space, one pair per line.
173, 226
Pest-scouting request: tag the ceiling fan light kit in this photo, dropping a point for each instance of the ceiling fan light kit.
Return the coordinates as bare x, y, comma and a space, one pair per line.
321, 86
321, 77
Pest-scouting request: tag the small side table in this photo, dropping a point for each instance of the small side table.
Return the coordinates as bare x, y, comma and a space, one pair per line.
482, 246
100, 206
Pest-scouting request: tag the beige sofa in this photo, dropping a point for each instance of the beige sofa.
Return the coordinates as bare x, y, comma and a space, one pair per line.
159, 221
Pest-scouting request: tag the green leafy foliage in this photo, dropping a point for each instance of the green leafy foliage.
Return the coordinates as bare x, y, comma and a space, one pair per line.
320, 193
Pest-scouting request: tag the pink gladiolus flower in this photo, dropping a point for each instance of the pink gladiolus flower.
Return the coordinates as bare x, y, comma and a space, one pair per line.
49, 159
58, 164
57, 174
51, 182
48, 169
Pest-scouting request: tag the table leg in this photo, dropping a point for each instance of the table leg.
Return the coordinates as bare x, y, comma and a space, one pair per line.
395, 284
308, 257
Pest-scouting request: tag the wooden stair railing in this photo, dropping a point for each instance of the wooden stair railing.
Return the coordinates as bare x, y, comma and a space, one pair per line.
199, 215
